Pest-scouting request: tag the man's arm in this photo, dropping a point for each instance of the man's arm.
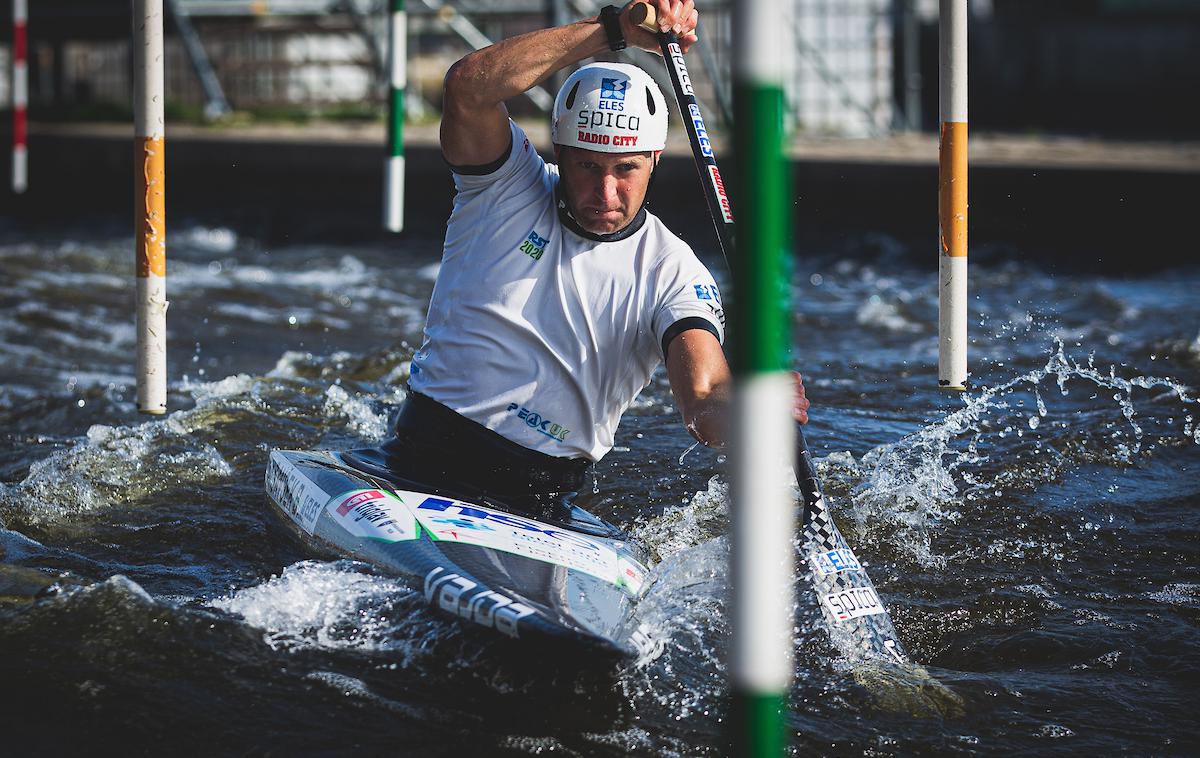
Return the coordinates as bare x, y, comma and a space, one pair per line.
702, 386
474, 129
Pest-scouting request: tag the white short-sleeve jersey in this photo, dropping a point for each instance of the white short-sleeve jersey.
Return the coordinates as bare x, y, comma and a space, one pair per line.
540, 334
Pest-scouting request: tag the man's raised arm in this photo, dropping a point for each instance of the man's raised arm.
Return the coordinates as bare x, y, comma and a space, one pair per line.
474, 128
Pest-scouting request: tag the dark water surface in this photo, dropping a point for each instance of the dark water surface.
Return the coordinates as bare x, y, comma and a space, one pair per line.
1036, 539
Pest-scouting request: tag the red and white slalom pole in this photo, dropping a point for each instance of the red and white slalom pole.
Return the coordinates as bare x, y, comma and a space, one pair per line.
20, 96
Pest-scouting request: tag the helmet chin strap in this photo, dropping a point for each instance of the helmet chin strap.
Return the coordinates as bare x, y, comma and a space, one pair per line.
567, 216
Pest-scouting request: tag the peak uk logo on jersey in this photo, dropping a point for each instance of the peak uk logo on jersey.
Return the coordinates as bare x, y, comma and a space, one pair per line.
534, 245
539, 423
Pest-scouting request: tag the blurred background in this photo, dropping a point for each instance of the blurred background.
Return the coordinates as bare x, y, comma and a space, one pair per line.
1083, 134
1127, 68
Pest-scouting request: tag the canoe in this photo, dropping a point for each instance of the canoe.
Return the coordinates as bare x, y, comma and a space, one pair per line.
561, 576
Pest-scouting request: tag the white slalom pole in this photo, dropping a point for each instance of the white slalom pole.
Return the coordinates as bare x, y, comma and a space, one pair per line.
150, 205
20, 96
952, 196
393, 200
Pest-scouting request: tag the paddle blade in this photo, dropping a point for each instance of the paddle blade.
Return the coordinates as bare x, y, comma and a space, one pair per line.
859, 624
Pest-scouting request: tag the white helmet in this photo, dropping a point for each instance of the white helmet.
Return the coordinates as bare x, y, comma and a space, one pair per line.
610, 108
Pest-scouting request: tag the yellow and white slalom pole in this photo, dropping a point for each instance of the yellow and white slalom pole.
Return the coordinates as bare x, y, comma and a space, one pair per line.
20, 97
149, 200
393, 198
952, 196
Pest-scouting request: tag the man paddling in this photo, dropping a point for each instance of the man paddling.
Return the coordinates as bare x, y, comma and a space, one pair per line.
559, 294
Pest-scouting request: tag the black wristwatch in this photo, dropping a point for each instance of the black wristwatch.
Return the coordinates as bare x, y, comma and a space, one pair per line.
610, 19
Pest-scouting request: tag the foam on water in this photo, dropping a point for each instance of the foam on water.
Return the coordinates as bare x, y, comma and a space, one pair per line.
126, 464
363, 414
206, 239
704, 517
352, 687
314, 604
112, 466
878, 312
1181, 594
350, 272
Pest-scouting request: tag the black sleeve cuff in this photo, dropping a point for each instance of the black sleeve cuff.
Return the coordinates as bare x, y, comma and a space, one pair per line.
486, 168
684, 324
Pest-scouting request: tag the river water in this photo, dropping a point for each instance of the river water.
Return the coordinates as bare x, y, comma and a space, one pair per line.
1035, 538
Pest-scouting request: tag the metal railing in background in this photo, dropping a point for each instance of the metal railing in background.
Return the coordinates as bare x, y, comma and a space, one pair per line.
841, 82
216, 105
317, 54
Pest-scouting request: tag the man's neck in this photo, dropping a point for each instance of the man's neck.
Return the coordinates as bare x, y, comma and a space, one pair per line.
568, 220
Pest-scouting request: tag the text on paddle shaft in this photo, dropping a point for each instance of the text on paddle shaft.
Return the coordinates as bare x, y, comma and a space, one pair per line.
701, 133
722, 198
685, 81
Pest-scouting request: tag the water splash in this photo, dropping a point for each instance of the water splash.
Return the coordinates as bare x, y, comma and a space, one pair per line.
704, 517
330, 605
115, 465
684, 454
360, 412
910, 486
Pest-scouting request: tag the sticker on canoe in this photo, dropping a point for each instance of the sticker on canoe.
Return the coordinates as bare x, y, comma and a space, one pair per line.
471, 524
462, 597
294, 492
631, 574
834, 561
374, 514
852, 603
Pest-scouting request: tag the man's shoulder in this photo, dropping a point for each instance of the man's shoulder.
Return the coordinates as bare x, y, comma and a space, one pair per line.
667, 244
511, 172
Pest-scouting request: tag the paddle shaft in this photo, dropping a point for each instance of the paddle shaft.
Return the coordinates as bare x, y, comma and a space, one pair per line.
719, 209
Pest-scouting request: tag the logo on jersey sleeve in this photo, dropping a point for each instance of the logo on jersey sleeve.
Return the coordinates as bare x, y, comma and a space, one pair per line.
534, 245
711, 296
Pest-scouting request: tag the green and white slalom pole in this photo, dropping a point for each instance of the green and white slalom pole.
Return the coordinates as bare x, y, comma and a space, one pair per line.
764, 521
393, 190
763, 503
765, 437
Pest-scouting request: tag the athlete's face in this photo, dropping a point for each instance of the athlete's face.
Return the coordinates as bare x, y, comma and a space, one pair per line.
605, 190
